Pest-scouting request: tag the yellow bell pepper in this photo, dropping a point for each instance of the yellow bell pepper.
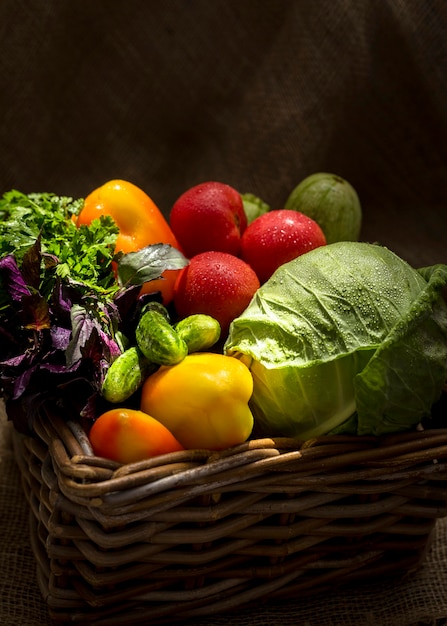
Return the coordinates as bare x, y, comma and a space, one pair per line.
202, 401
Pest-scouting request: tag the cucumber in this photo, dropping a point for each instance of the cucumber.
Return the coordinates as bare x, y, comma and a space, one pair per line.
158, 340
122, 340
125, 375
156, 306
198, 331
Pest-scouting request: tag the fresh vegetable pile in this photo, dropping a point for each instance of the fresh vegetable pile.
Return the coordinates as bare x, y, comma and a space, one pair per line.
67, 302
229, 321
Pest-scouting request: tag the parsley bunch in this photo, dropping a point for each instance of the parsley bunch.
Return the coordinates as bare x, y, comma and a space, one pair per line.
82, 254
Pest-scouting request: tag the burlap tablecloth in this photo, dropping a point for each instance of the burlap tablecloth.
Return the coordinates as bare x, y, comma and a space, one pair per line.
257, 94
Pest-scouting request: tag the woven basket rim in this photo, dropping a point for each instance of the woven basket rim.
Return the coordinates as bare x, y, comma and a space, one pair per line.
329, 459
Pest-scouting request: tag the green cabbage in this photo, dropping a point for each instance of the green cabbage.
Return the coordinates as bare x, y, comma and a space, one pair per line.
345, 338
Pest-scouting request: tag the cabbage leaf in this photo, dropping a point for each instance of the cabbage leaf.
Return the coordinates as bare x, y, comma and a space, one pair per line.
347, 338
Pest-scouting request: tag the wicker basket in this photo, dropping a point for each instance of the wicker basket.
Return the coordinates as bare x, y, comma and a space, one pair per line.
195, 533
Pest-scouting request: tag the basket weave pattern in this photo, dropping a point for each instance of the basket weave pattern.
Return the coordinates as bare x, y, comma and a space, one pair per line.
196, 533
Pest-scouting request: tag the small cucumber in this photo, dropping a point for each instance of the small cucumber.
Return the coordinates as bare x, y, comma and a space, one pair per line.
198, 331
158, 340
156, 306
122, 340
125, 375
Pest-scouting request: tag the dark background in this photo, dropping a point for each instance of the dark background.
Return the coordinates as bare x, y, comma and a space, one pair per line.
257, 94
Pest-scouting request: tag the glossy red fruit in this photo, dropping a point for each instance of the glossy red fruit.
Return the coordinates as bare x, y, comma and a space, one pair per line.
278, 237
209, 216
217, 284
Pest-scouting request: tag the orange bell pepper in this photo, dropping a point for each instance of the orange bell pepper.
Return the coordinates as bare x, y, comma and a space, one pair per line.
140, 223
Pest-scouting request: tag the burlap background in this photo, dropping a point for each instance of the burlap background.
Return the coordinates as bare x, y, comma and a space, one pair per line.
257, 94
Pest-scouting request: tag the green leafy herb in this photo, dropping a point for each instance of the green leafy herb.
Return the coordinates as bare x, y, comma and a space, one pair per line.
136, 268
83, 254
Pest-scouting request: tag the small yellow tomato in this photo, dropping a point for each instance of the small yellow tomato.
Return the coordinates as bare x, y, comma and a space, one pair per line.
128, 436
203, 400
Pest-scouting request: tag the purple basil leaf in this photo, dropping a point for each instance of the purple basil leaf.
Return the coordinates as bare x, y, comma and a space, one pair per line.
31, 265
55, 368
89, 410
126, 298
60, 337
50, 260
13, 279
90, 343
113, 349
61, 298
23, 380
15, 361
35, 314
96, 352
82, 327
